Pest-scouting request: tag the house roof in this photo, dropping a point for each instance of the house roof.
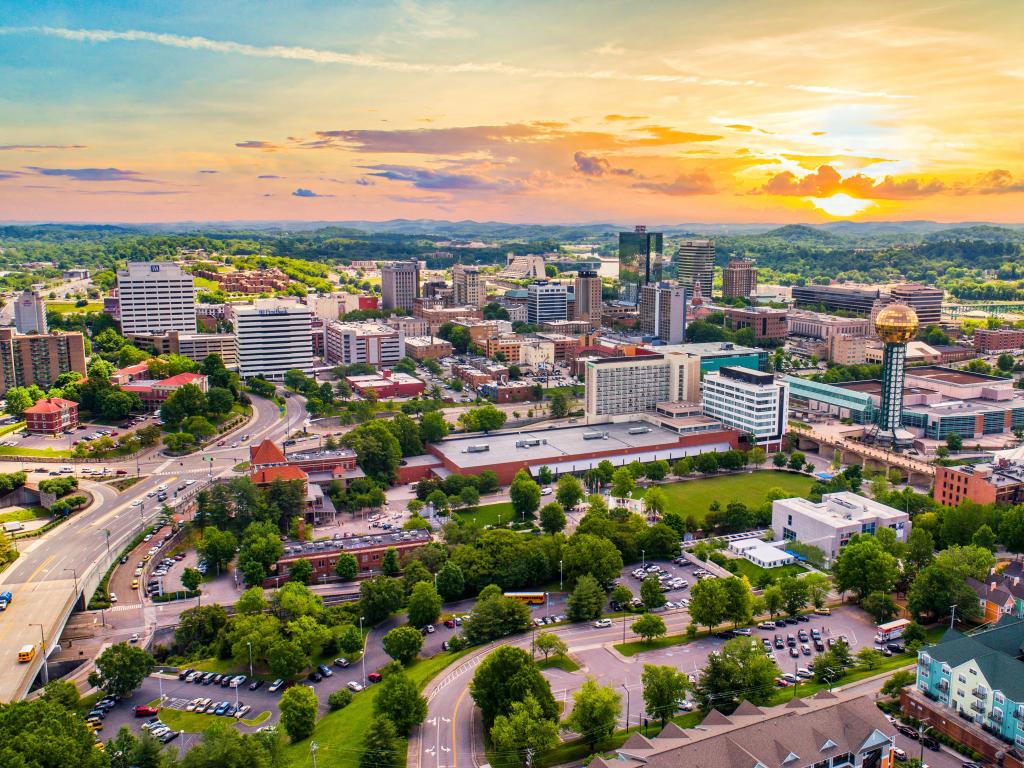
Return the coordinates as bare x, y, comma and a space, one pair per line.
270, 474
995, 651
51, 405
181, 379
266, 453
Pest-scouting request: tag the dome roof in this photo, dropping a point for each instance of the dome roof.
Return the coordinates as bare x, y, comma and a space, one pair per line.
897, 324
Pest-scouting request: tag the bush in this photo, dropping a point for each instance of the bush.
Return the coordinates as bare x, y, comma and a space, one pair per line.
339, 699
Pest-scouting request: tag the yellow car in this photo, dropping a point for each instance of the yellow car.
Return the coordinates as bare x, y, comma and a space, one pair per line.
135, 583
823, 611
94, 725
100, 746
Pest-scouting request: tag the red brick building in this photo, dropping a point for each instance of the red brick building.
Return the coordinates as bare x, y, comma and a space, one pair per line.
998, 339
323, 555
154, 393
1002, 482
768, 324
51, 416
387, 384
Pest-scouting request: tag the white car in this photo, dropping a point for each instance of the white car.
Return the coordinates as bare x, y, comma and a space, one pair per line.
161, 487
113, 597
602, 623
137, 503
546, 491
354, 686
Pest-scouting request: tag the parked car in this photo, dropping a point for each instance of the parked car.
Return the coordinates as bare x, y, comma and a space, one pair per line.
146, 711
602, 623
255, 684
342, 662
275, 686
354, 686
374, 677
930, 742
325, 670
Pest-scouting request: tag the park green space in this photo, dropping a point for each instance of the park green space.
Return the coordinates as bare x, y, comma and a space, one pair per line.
563, 663
488, 513
45, 453
750, 488
754, 572
23, 515
339, 735
69, 306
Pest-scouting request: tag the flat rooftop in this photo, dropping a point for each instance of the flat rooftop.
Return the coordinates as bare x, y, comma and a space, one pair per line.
874, 387
841, 509
952, 375
320, 454
302, 548
560, 444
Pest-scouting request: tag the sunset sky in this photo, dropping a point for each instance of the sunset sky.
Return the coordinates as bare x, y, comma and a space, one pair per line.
659, 112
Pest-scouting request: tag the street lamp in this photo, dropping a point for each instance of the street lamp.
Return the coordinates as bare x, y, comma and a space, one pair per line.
75, 574
364, 648
921, 729
627, 706
559, 575
643, 559
42, 645
249, 643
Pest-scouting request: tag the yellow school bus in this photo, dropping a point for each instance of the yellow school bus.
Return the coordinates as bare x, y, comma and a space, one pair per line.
27, 653
530, 598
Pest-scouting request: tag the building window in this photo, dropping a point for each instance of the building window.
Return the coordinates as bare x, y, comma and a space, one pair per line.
961, 679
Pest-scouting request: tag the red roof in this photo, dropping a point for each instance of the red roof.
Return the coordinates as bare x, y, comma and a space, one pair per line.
266, 453
180, 379
270, 474
51, 405
132, 369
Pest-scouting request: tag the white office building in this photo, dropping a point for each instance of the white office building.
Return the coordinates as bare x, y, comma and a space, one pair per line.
273, 337
830, 524
546, 301
30, 313
747, 400
156, 297
372, 343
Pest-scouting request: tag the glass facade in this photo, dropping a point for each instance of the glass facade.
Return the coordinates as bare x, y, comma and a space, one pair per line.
640, 262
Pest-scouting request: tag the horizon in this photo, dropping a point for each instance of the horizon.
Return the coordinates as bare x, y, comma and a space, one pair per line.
735, 113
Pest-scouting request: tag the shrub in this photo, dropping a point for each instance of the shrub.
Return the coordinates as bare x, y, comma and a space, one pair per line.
339, 699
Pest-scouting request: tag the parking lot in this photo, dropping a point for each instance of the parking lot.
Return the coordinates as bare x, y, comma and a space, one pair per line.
88, 431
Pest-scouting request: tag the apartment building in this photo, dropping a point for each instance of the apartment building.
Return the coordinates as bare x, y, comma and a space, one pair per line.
38, 358
30, 313
1001, 482
588, 298
847, 350
631, 384
748, 400
767, 323
155, 297
831, 523
370, 342
739, 279
409, 326
663, 311
695, 266
273, 337
998, 339
546, 301
427, 347
400, 284
468, 286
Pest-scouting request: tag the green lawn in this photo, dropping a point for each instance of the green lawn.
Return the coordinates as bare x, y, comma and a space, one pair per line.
563, 663
746, 568
206, 283
18, 425
49, 453
488, 514
189, 722
23, 515
340, 734
695, 496
69, 306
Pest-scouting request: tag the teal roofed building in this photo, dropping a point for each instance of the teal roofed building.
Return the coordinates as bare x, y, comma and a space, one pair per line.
841, 402
979, 678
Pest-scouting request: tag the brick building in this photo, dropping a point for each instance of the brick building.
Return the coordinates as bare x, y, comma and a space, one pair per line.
38, 358
998, 339
51, 416
323, 555
387, 384
1002, 482
248, 281
427, 347
768, 324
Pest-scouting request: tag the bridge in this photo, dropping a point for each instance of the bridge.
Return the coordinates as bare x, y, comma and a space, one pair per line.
870, 457
955, 309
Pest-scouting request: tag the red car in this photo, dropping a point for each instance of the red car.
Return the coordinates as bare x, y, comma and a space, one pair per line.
450, 623
145, 711
374, 677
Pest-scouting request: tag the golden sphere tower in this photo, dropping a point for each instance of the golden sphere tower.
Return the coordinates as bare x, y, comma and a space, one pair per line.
896, 325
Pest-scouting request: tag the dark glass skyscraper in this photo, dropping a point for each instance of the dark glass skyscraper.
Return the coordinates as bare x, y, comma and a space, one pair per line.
640, 262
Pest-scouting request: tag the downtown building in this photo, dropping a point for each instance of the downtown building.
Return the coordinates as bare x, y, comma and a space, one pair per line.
400, 284
923, 299
739, 279
38, 358
468, 286
30, 313
750, 401
766, 323
546, 301
155, 297
588, 298
695, 266
273, 337
371, 343
663, 311
640, 262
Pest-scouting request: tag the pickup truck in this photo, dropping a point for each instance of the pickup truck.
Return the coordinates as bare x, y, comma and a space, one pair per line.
6, 598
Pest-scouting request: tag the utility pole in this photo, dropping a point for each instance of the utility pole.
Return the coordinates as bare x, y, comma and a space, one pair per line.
364, 649
627, 706
107, 532
952, 616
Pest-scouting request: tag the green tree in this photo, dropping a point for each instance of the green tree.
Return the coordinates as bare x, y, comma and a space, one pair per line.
348, 638
41, 733
309, 633
774, 599
586, 600
651, 594
378, 451
708, 600
346, 566
954, 442
219, 400
507, 675
706, 463
568, 492
779, 460
407, 432
545, 475
379, 597
339, 699
389, 563
217, 548
937, 588
818, 587
187, 400
594, 713
757, 456
525, 731
424, 604
623, 484
739, 601
450, 582
120, 669
402, 644
655, 501
901, 678
869, 657
64, 693
621, 595
300, 571
586, 553
484, 419
740, 670
433, 427
399, 700
649, 627
880, 605
985, 538
524, 494
380, 746
863, 566
298, 707
663, 688
287, 658
191, 579
549, 643
794, 594
415, 572
559, 405
552, 517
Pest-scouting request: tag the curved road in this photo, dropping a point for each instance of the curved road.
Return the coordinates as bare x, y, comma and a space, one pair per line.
56, 568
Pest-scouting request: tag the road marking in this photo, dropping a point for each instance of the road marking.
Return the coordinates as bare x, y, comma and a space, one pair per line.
455, 722
41, 566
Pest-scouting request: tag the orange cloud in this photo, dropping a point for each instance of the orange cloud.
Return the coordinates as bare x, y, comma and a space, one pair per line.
826, 181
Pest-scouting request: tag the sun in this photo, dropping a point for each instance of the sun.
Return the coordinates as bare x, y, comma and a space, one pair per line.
840, 204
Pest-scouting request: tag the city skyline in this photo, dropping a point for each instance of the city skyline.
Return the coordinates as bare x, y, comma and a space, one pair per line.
731, 112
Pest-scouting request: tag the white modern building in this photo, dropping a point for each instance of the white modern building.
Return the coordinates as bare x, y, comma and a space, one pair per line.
373, 343
762, 553
546, 301
830, 524
30, 313
156, 297
273, 337
663, 311
748, 400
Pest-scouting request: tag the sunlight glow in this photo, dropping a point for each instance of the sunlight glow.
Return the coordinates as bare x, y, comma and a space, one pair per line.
840, 204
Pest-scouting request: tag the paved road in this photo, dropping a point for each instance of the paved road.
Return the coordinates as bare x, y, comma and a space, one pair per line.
47, 578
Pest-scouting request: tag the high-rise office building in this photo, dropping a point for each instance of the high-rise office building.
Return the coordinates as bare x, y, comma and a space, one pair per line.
923, 299
588, 298
748, 400
30, 313
695, 265
663, 311
372, 343
156, 297
273, 337
400, 284
640, 261
739, 279
546, 301
468, 286
38, 358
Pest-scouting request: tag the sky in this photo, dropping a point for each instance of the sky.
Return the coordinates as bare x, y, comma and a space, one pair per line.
537, 112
